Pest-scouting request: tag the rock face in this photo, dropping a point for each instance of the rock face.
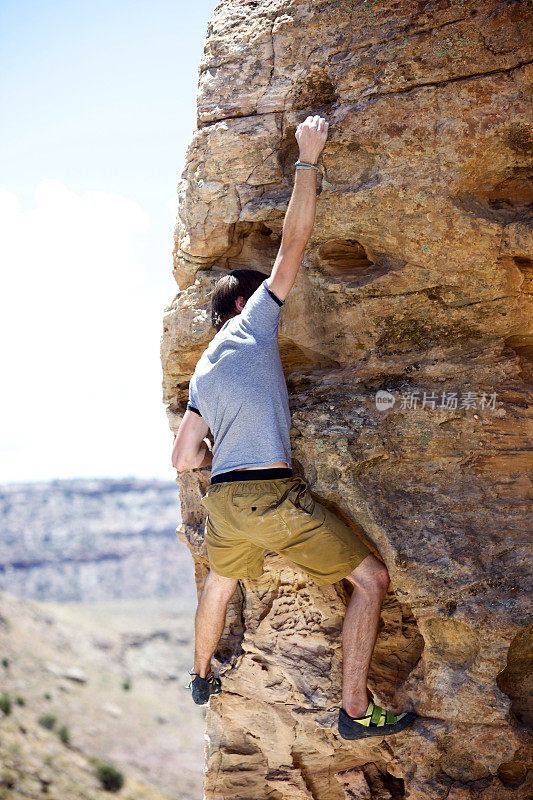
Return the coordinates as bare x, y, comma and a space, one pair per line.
415, 284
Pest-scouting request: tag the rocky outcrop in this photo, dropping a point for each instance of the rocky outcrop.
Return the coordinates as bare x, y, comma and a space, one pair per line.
415, 285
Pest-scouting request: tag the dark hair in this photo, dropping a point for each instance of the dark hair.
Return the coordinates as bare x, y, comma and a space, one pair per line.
238, 283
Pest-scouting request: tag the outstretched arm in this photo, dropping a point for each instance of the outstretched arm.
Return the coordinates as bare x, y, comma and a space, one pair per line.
300, 216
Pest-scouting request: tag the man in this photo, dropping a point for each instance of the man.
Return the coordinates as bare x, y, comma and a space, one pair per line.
238, 392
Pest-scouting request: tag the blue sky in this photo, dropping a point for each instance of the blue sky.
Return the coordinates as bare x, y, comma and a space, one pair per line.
98, 105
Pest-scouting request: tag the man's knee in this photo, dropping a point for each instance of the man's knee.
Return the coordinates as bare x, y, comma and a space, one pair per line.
371, 576
224, 587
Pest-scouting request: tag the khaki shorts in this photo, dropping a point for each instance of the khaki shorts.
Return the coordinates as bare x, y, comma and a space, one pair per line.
245, 518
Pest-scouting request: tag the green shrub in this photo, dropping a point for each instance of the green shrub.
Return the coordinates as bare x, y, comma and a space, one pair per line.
20, 700
126, 684
110, 777
5, 703
64, 734
47, 721
5, 662
47, 696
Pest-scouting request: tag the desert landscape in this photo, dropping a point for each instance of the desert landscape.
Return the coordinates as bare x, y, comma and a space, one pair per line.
96, 680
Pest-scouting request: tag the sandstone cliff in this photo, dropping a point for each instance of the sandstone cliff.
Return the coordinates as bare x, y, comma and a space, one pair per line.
416, 282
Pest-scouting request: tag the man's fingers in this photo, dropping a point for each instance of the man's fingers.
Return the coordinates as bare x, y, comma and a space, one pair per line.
313, 119
316, 122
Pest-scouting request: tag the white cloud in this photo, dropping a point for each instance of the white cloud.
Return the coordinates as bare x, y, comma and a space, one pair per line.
80, 321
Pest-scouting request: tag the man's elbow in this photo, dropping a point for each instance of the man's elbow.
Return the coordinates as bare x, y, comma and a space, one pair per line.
182, 465
183, 462
186, 461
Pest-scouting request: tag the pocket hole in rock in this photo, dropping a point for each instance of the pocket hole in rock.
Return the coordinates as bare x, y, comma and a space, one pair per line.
512, 773
522, 341
348, 260
256, 246
515, 680
314, 89
523, 347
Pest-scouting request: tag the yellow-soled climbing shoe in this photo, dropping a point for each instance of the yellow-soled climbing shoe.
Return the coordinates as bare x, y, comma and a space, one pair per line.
203, 688
376, 721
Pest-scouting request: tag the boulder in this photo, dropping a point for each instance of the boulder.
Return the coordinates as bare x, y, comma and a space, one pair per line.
406, 343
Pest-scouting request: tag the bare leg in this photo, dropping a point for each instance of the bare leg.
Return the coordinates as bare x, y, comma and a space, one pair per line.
210, 619
370, 581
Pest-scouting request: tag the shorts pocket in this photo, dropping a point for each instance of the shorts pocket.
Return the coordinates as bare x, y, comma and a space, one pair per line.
254, 499
303, 500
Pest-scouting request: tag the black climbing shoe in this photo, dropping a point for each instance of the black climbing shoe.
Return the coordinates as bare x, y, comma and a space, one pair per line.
203, 688
376, 721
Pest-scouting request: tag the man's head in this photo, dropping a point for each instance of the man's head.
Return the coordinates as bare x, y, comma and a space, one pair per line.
231, 293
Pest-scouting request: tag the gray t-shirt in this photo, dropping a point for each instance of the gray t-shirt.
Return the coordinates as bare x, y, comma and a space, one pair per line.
239, 389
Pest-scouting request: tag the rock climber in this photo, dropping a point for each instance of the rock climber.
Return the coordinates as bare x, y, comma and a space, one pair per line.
238, 399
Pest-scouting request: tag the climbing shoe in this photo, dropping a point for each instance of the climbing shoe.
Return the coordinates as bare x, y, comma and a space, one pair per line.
203, 688
376, 721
